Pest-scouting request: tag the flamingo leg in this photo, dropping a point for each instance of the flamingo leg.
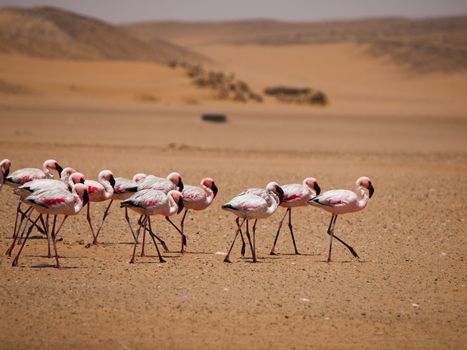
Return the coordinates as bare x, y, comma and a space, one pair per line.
241, 235
143, 243
103, 218
182, 250
24, 215
273, 249
352, 251
15, 236
183, 221
135, 236
331, 233
15, 261
249, 240
127, 218
254, 236
161, 259
46, 228
239, 229
54, 241
291, 232
88, 217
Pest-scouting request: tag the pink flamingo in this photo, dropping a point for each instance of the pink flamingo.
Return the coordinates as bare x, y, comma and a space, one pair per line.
55, 201
99, 191
123, 189
5, 165
21, 176
342, 202
198, 198
172, 182
248, 206
66, 183
296, 195
153, 202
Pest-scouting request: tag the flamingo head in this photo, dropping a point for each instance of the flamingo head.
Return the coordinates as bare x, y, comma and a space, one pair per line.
365, 182
5, 167
77, 178
81, 191
108, 176
139, 177
53, 164
66, 173
178, 198
176, 178
275, 188
209, 183
312, 183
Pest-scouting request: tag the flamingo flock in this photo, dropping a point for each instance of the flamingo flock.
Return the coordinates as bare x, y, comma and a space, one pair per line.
42, 198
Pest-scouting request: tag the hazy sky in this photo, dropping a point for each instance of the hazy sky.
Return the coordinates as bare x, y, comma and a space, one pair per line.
135, 10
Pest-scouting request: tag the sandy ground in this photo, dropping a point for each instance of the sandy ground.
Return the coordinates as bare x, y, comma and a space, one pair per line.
407, 132
407, 291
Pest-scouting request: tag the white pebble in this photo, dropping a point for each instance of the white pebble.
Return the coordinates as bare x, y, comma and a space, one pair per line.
305, 300
415, 305
226, 289
221, 253
444, 254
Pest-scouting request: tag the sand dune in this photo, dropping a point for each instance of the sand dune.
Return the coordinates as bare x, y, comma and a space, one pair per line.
50, 32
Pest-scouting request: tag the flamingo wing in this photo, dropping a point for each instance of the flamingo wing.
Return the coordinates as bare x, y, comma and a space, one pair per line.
335, 198
294, 192
193, 194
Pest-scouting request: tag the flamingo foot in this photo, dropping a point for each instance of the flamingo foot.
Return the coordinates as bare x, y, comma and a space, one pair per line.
273, 251
243, 249
132, 261
15, 262
227, 260
161, 260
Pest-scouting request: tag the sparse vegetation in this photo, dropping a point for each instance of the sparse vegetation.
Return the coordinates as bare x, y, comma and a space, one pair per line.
224, 86
297, 95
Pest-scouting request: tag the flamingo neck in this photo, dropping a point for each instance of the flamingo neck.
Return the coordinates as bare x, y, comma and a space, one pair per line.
362, 197
78, 204
47, 172
209, 194
273, 206
109, 191
173, 207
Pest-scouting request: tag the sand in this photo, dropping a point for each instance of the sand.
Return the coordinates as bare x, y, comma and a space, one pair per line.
407, 132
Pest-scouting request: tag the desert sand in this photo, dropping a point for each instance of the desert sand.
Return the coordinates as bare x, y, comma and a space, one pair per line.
405, 130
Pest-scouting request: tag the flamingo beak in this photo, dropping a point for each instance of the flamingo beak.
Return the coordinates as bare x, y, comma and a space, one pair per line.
112, 181
214, 189
280, 193
371, 189
85, 198
317, 188
180, 205
59, 169
180, 185
81, 180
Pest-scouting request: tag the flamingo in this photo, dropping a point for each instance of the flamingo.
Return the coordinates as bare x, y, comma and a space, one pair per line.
24, 191
55, 201
153, 202
198, 198
99, 191
123, 189
296, 195
173, 181
253, 204
342, 202
21, 176
4, 170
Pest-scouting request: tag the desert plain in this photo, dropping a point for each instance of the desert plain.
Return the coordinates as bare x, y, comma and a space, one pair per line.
405, 129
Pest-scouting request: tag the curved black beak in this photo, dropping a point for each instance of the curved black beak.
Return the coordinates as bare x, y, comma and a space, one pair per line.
180, 205
180, 185
317, 188
85, 198
214, 189
280, 193
81, 181
112, 181
371, 189
59, 168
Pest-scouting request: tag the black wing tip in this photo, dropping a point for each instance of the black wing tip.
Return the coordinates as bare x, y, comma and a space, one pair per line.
229, 206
